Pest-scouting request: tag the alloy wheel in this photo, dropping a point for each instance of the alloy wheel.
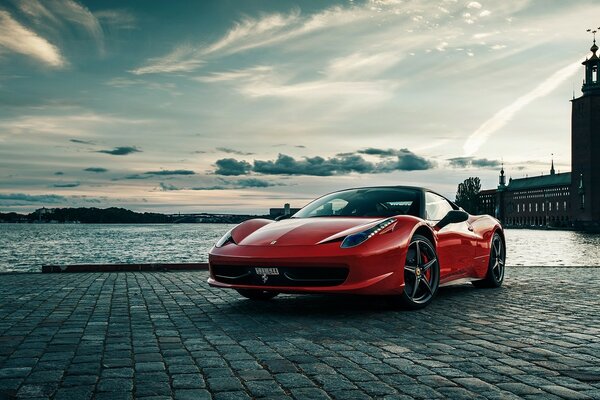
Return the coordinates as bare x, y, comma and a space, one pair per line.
421, 275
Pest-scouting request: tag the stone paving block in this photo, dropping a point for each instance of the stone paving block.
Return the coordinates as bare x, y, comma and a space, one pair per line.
350, 395
519, 388
188, 381
264, 388
564, 392
115, 385
224, 384
310, 393
75, 393
80, 380
166, 333
149, 366
113, 396
236, 395
152, 388
192, 394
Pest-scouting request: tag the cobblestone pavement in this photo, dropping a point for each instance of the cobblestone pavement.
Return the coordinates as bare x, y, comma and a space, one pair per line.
169, 335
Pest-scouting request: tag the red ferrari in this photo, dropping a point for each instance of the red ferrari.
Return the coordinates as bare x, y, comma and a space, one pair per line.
400, 241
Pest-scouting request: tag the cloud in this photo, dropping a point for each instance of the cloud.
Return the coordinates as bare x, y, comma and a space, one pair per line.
165, 172
96, 169
465, 162
252, 73
502, 117
253, 183
315, 166
133, 177
233, 151
66, 185
379, 152
406, 161
63, 16
120, 19
231, 166
22, 197
341, 164
181, 59
79, 141
77, 14
244, 183
165, 187
121, 151
17, 38
251, 33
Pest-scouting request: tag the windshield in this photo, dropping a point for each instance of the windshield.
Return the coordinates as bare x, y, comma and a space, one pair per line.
368, 202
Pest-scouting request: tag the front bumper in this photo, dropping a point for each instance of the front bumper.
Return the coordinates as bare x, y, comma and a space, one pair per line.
323, 268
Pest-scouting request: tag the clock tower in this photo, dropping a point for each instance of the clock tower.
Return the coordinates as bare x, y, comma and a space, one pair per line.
585, 148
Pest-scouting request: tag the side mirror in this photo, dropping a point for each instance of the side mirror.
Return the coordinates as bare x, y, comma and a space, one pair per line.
453, 217
284, 216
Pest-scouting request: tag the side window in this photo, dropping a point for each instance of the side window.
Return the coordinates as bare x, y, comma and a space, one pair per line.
436, 207
332, 207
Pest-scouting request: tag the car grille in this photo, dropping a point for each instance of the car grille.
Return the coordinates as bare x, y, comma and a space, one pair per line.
288, 276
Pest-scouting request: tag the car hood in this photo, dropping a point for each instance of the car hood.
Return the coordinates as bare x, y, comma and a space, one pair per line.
305, 231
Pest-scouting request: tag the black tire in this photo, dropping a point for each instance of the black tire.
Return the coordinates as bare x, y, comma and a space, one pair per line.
495, 272
254, 294
421, 274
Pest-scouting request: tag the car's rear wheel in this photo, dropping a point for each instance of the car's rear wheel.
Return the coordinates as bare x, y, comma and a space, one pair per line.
495, 273
421, 274
257, 294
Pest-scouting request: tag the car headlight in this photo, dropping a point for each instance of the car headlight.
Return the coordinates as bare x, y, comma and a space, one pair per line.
357, 238
227, 238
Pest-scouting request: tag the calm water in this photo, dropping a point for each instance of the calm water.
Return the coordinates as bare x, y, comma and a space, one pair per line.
25, 247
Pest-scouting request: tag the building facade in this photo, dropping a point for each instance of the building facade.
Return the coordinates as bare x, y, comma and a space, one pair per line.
564, 200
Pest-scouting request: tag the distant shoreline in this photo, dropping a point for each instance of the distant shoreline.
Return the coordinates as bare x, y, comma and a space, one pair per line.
115, 215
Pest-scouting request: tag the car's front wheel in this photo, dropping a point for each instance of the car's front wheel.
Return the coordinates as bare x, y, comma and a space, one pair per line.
421, 274
495, 273
257, 294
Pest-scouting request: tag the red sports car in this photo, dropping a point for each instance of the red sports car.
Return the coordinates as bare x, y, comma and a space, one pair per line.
400, 241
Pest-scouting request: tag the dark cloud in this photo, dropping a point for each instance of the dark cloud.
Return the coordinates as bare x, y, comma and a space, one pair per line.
466, 162
232, 167
59, 173
166, 172
121, 151
134, 176
253, 183
315, 166
379, 152
343, 163
97, 170
22, 197
79, 141
198, 152
344, 154
485, 163
300, 146
406, 161
233, 151
165, 187
224, 185
66, 185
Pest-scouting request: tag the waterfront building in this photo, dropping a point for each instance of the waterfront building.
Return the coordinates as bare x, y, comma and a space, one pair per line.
568, 199
286, 210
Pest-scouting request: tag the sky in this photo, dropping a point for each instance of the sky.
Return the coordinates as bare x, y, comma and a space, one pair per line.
239, 106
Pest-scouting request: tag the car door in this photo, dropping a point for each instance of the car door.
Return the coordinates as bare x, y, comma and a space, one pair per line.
456, 242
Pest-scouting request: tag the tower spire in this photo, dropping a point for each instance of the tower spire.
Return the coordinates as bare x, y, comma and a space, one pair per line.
502, 180
552, 171
591, 84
